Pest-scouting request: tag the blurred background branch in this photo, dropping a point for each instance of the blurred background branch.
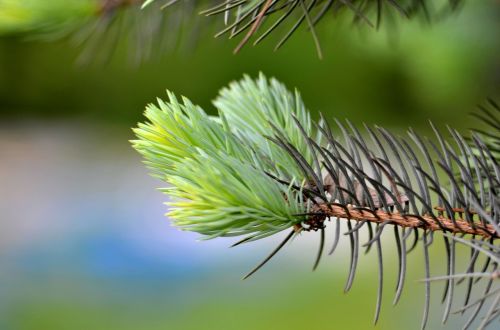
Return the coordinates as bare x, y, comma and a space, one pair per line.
110, 20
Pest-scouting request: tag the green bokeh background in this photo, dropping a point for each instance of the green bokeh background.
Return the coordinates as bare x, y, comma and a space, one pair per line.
76, 248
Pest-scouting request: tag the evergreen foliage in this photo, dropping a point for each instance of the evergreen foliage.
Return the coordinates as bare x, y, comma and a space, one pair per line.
159, 24
262, 166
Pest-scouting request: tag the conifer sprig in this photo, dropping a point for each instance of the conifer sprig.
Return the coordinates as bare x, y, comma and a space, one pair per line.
262, 166
99, 26
258, 19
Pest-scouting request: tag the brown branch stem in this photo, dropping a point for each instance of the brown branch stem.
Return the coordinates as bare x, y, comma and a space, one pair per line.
254, 27
408, 221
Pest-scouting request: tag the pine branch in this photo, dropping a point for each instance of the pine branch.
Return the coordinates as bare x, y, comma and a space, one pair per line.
97, 24
248, 15
262, 166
